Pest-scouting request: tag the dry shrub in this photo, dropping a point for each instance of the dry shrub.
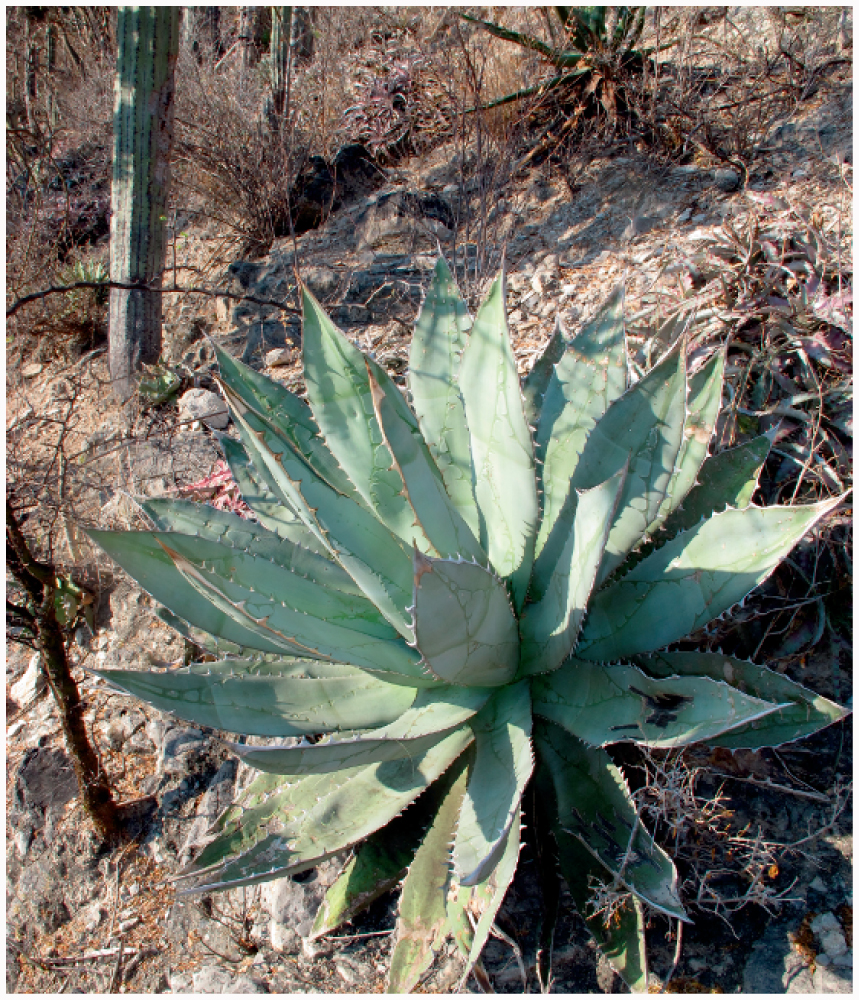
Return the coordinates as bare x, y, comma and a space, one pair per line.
230, 167
234, 160
724, 78
59, 116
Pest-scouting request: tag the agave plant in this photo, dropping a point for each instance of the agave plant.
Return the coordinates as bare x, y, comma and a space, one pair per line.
450, 598
597, 42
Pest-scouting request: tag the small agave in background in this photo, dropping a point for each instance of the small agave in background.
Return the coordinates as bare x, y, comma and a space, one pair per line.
458, 596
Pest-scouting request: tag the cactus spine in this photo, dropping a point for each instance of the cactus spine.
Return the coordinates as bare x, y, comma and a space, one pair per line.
147, 48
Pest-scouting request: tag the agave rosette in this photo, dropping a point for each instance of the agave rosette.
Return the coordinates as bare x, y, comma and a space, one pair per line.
451, 598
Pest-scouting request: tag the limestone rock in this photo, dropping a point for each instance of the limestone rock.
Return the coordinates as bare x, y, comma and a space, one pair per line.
201, 404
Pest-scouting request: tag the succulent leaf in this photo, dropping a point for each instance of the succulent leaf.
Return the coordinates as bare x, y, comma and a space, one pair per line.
589, 376
621, 940
377, 865
705, 399
594, 806
726, 479
334, 754
536, 382
263, 697
644, 427
288, 575
503, 762
439, 338
692, 579
144, 559
371, 554
434, 512
287, 415
487, 897
465, 628
422, 926
431, 717
549, 629
297, 824
298, 630
801, 712
501, 449
338, 389
602, 704
212, 644
259, 492
253, 540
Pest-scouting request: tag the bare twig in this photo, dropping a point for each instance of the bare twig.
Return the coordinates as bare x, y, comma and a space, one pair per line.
358, 937
517, 952
773, 787
218, 293
116, 977
677, 952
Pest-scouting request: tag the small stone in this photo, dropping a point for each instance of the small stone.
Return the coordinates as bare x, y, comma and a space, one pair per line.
829, 979
126, 925
246, 984
823, 959
639, 225
310, 949
211, 804
92, 916
818, 884
32, 370
212, 979
845, 959
517, 316
322, 281
279, 356
200, 404
726, 179
26, 690
824, 922
346, 972
83, 637
351, 312
542, 282
833, 943
22, 840
179, 983
116, 734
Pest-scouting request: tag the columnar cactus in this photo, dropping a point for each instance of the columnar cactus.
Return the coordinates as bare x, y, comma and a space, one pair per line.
279, 48
451, 591
147, 48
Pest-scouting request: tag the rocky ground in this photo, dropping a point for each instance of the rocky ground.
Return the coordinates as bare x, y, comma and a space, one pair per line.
83, 919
